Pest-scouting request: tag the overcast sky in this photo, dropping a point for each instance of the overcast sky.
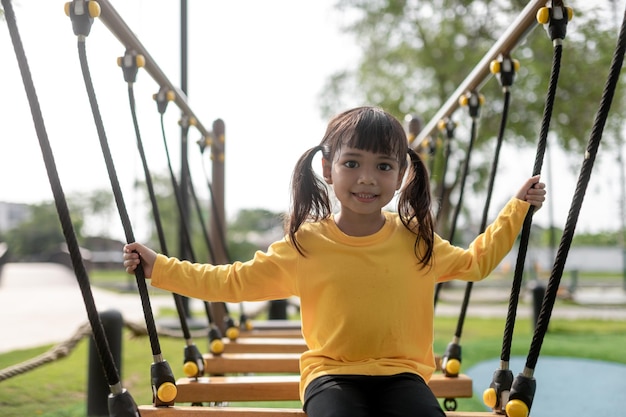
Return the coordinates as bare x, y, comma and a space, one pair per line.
259, 66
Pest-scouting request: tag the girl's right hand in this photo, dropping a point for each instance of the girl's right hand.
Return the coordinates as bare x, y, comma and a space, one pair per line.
135, 253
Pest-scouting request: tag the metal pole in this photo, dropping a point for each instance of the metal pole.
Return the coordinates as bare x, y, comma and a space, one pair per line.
184, 147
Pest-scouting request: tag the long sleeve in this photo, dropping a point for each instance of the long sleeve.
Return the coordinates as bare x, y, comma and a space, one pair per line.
486, 251
268, 276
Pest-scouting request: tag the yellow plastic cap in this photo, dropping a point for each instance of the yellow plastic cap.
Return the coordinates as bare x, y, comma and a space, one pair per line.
232, 333
217, 346
516, 408
94, 9
494, 66
140, 61
66, 8
167, 392
490, 397
190, 369
543, 15
453, 366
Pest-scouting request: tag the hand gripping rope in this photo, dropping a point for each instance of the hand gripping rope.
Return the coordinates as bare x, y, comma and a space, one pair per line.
120, 402
82, 14
524, 385
555, 20
216, 345
193, 362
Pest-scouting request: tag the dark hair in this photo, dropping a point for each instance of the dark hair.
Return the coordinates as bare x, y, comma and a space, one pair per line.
374, 130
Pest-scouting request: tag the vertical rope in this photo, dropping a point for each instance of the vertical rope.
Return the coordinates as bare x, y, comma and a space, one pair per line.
121, 206
581, 187
102, 346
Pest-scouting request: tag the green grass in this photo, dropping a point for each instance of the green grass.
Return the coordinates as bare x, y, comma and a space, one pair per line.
59, 389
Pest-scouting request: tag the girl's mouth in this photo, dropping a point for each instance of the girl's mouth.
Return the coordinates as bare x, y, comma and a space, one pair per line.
365, 197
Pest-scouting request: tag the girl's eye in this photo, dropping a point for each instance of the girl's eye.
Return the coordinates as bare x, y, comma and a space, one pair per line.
385, 167
351, 164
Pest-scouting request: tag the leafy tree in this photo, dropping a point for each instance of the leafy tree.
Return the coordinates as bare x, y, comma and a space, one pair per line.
414, 54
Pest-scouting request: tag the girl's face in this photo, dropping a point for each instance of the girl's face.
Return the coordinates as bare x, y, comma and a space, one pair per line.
363, 182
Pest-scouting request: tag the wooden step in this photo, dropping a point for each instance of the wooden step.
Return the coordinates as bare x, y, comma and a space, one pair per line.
286, 388
265, 345
180, 411
258, 363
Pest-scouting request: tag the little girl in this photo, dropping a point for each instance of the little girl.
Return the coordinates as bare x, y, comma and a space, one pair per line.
365, 277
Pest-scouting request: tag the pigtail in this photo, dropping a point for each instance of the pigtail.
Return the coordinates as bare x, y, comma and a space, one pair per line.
414, 207
309, 196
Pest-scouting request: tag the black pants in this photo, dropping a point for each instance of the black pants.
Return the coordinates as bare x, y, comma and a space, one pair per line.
402, 395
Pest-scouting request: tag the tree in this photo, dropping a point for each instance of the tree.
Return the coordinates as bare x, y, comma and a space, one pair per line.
416, 53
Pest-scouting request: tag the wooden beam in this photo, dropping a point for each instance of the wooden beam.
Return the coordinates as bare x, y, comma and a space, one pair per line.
178, 411
286, 388
265, 345
258, 363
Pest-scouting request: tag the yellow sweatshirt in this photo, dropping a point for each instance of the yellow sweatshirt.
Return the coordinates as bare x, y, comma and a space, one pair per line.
366, 304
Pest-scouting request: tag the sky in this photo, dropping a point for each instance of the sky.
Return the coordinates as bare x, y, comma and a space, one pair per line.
259, 66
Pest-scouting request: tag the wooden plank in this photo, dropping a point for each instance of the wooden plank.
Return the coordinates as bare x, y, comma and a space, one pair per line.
181, 411
286, 388
282, 333
265, 345
229, 363
238, 388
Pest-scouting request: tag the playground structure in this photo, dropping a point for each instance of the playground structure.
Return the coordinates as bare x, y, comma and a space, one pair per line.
163, 381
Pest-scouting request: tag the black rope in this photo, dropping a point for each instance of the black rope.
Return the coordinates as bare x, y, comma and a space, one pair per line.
457, 211
203, 226
581, 187
128, 231
215, 212
459, 205
179, 204
155, 209
526, 228
102, 345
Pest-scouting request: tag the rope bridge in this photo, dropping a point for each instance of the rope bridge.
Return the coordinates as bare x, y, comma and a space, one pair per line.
512, 396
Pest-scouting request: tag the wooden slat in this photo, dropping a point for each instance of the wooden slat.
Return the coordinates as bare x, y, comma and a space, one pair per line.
178, 411
265, 345
264, 333
286, 388
238, 388
229, 363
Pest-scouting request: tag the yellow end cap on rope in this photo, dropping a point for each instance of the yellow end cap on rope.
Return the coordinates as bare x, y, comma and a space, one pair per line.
216, 346
490, 397
517, 408
167, 392
453, 367
232, 333
190, 369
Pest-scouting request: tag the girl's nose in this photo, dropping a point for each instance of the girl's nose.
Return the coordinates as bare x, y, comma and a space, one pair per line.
366, 177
